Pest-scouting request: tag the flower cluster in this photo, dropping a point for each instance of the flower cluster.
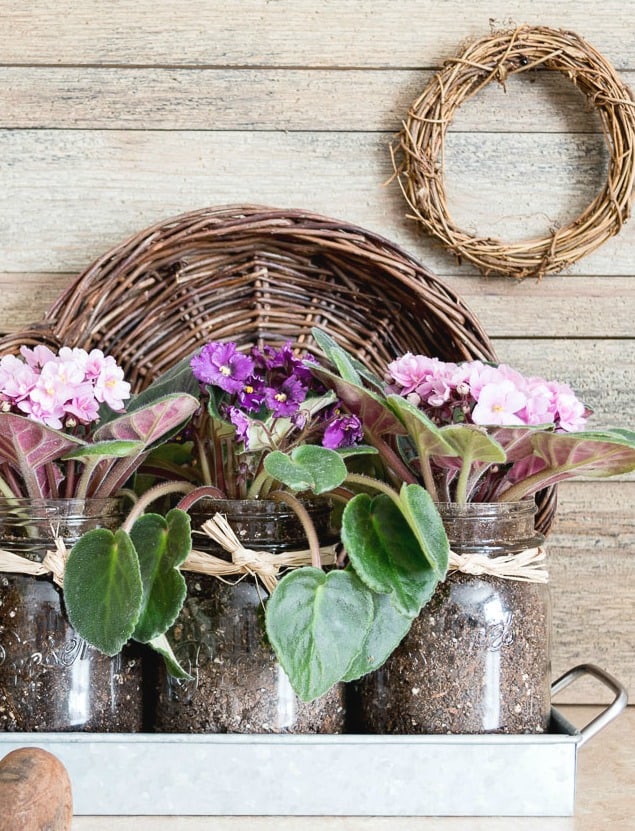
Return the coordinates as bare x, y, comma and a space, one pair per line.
61, 390
477, 393
273, 402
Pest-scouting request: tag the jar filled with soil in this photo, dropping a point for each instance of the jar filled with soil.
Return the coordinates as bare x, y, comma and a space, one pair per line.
51, 679
477, 658
219, 637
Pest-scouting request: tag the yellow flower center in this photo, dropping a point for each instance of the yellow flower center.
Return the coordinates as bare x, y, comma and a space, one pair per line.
225, 370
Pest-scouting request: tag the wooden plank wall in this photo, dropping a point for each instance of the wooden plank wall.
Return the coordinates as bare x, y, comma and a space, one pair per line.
115, 115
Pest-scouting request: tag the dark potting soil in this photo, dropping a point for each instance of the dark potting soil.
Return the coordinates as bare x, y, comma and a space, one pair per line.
50, 678
476, 660
238, 686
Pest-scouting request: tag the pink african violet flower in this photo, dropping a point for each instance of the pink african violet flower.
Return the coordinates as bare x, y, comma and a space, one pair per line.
48, 387
49, 413
17, 379
38, 356
110, 388
570, 411
411, 371
498, 404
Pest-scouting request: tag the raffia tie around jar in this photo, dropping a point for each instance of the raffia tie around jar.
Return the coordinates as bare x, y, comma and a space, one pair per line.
262, 565
477, 658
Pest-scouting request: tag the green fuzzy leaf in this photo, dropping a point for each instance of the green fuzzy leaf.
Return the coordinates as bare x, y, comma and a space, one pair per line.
326, 466
388, 629
317, 623
161, 645
162, 544
471, 442
426, 524
102, 589
385, 552
280, 466
308, 467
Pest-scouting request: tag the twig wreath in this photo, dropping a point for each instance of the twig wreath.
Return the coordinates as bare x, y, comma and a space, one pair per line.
419, 159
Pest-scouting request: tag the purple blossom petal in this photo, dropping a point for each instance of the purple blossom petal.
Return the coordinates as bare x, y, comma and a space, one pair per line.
221, 365
343, 431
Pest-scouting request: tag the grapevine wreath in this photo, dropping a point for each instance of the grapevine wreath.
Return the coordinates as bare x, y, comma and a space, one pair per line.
419, 157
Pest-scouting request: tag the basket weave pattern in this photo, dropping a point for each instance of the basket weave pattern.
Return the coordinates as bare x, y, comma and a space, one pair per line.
257, 275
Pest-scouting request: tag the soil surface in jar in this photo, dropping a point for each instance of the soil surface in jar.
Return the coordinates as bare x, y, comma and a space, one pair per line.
50, 678
238, 685
476, 660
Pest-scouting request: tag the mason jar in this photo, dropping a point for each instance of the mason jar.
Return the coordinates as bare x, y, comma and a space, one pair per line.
478, 657
51, 679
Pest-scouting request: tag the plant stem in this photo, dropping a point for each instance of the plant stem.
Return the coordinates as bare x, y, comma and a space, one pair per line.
203, 462
460, 494
150, 496
258, 484
368, 481
394, 462
303, 515
528, 486
194, 494
6, 491
426, 473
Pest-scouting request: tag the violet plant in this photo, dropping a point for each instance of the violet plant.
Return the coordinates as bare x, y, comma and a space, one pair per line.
443, 432
263, 403
64, 433
478, 432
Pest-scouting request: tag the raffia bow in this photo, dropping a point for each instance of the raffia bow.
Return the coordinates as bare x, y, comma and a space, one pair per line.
245, 561
524, 566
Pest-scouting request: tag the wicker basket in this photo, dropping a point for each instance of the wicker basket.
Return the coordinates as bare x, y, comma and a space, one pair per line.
254, 275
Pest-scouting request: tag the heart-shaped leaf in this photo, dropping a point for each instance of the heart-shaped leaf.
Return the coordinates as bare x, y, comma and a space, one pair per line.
317, 623
385, 552
473, 443
162, 544
388, 629
151, 423
102, 589
308, 467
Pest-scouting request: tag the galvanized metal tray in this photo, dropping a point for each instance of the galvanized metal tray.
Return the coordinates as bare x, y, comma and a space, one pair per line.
349, 775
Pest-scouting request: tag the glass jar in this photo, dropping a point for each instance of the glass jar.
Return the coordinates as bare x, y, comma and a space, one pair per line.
478, 657
219, 637
50, 678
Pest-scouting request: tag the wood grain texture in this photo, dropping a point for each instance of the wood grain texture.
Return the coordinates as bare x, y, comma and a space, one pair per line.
365, 33
83, 191
114, 116
121, 98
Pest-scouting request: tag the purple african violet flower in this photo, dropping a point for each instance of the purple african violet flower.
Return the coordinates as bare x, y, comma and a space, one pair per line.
252, 394
343, 431
285, 399
221, 365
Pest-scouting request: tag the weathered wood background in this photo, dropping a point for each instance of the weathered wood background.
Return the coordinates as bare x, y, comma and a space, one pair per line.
115, 115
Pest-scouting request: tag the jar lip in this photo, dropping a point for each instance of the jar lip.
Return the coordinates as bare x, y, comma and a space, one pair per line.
526, 506
8, 502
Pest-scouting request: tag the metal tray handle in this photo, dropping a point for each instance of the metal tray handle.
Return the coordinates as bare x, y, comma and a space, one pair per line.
606, 716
